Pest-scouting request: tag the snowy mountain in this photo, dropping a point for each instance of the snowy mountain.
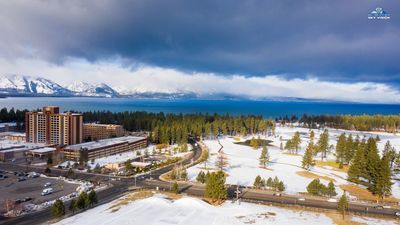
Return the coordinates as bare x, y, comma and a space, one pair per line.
85, 89
25, 85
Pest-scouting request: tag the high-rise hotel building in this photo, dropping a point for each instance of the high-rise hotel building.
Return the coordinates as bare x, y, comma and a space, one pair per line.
52, 127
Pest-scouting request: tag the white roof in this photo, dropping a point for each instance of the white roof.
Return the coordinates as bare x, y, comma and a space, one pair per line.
140, 164
105, 142
7, 124
3, 134
43, 150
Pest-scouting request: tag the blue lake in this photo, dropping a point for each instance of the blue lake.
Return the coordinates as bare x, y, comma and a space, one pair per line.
233, 107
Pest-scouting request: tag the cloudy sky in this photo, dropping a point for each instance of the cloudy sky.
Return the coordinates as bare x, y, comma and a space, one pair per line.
309, 49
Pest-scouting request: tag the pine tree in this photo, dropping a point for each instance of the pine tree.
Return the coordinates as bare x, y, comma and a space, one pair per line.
390, 153
323, 144
258, 182
92, 198
350, 149
175, 188
312, 135
341, 148
72, 206
289, 145
343, 204
372, 163
330, 190
254, 143
222, 161
269, 182
281, 186
357, 166
215, 186
281, 146
296, 141
201, 177
308, 161
264, 157
383, 184
57, 209
314, 187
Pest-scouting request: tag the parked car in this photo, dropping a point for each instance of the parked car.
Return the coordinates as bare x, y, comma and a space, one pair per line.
332, 200
19, 179
48, 184
378, 207
33, 175
47, 191
301, 199
2, 176
397, 213
277, 194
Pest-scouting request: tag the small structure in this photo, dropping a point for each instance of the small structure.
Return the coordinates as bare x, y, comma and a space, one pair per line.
98, 149
42, 152
13, 136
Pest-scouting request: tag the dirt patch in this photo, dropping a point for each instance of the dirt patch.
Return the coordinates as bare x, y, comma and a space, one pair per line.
130, 198
314, 176
337, 218
334, 165
364, 194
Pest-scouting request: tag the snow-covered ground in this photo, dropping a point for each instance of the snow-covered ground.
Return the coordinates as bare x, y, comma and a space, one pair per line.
244, 164
158, 209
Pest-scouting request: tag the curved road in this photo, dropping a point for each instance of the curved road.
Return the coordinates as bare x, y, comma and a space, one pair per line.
124, 185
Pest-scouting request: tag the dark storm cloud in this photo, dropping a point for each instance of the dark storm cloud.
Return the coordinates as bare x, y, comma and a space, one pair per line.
332, 40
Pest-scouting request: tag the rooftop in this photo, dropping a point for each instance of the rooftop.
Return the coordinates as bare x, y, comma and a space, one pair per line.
105, 142
7, 124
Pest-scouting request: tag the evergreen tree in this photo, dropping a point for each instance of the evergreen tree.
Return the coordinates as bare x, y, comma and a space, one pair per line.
222, 161
323, 144
289, 145
341, 149
258, 182
350, 149
72, 206
312, 135
269, 182
357, 166
372, 163
390, 153
81, 201
201, 177
264, 157
281, 146
308, 161
343, 204
383, 184
175, 188
296, 141
281, 186
57, 209
92, 198
330, 190
314, 187
254, 143
215, 186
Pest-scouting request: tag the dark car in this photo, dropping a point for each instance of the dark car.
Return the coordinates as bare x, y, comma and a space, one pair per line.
378, 207
22, 178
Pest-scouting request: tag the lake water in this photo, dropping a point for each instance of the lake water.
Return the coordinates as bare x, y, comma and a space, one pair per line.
233, 107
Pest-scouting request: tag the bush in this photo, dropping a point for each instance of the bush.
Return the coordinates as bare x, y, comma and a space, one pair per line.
175, 188
57, 209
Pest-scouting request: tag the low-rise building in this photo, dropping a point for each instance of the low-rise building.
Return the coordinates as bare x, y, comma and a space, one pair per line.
101, 148
10, 150
13, 136
94, 131
8, 127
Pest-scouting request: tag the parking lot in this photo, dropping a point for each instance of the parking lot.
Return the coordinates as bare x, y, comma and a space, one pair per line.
11, 190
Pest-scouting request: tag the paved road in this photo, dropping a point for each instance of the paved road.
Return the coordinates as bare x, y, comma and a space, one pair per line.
122, 186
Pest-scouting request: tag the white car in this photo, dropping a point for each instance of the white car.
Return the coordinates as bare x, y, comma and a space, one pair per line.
47, 191
301, 199
48, 184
